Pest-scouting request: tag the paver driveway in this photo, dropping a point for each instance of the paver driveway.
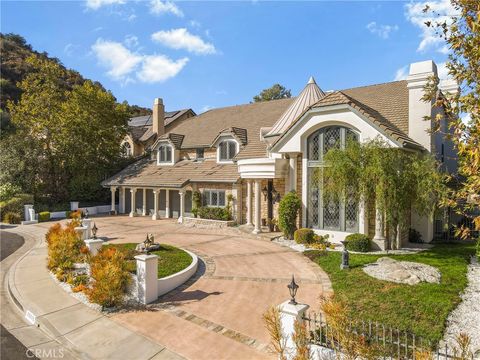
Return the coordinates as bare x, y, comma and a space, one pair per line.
219, 315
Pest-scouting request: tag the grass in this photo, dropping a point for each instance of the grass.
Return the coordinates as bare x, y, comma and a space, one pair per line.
170, 258
421, 309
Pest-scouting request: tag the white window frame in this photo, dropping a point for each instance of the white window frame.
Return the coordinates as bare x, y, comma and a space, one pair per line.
226, 161
171, 154
217, 191
129, 152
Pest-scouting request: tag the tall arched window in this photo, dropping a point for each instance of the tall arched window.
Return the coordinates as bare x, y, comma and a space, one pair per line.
323, 211
164, 154
227, 149
126, 149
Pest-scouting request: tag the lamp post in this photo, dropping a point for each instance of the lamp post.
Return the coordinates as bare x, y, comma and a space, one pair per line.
292, 288
345, 256
94, 231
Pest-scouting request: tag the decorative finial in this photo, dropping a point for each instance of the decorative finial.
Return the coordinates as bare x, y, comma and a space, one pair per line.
311, 80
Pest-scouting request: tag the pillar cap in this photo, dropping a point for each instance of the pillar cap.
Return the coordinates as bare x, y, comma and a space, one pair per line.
292, 309
145, 257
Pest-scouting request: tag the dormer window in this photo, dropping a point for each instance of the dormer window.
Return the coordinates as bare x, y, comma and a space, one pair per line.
164, 155
227, 149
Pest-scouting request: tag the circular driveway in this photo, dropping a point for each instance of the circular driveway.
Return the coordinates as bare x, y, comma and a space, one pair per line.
217, 315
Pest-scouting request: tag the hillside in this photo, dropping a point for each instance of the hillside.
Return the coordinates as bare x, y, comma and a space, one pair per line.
14, 50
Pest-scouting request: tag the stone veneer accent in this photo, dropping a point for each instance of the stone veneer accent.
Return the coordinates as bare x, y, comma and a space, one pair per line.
207, 223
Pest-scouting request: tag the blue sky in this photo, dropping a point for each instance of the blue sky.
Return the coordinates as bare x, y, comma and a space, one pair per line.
211, 54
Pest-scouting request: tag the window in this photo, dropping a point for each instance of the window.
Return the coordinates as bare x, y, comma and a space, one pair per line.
214, 198
126, 150
325, 212
227, 149
200, 154
164, 154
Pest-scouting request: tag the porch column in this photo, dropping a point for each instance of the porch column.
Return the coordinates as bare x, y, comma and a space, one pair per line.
144, 202
155, 204
167, 203
258, 210
133, 206
379, 239
121, 196
182, 205
362, 217
113, 190
292, 172
249, 202
237, 202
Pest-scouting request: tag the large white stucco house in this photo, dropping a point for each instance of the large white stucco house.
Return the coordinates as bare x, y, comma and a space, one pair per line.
258, 152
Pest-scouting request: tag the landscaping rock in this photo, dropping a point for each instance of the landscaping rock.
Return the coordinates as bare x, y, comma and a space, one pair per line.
403, 272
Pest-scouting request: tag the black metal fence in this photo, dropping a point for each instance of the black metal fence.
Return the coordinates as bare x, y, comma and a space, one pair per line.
388, 342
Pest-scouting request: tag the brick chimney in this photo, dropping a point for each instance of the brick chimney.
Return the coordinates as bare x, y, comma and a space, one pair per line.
418, 129
158, 117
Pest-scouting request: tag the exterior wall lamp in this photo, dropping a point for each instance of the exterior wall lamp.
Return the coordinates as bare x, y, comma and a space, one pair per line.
292, 288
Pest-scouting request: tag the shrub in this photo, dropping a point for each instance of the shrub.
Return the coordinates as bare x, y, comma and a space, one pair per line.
358, 242
76, 214
196, 202
64, 246
287, 214
304, 236
12, 218
16, 204
8, 190
214, 213
322, 239
414, 236
110, 278
43, 216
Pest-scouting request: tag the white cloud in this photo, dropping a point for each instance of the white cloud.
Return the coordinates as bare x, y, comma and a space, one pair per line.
123, 65
158, 68
159, 7
182, 39
440, 10
69, 49
205, 108
401, 74
194, 24
96, 4
382, 31
131, 41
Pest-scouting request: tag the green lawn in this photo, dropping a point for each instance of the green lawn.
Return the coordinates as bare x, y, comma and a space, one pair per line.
421, 309
170, 258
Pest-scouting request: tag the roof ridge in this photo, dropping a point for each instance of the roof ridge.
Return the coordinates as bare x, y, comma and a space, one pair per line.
372, 85
248, 104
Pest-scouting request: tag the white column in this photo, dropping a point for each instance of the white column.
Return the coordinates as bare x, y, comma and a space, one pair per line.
144, 202
258, 210
167, 204
113, 190
379, 239
182, 205
94, 245
237, 202
121, 205
156, 193
362, 217
293, 172
289, 314
249, 202
147, 281
133, 206
87, 223
27, 212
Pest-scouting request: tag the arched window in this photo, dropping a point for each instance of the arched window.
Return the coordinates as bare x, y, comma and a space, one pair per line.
164, 154
126, 149
227, 149
323, 211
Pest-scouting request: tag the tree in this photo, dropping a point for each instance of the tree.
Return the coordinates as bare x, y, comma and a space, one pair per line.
288, 212
275, 92
397, 180
462, 35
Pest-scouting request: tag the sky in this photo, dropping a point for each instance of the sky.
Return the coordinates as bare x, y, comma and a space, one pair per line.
203, 55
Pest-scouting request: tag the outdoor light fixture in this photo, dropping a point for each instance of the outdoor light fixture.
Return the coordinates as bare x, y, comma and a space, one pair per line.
292, 288
86, 213
94, 231
265, 193
345, 256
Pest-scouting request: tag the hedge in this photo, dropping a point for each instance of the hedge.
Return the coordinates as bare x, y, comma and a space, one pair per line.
304, 236
43, 216
214, 213
16, 203
358, 242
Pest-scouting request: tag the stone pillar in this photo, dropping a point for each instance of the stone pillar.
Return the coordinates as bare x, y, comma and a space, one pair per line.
147, 281
133, 206
82, 231
379, 240
94, 245
113, 190
27, 213
121, 201
182, 205
87, 223
289, 314
156, 192
73, 205
167, 204
144, 202
237, 202
258, 210
249, 202
292, 172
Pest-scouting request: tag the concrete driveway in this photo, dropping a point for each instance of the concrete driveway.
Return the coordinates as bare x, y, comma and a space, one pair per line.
217, 315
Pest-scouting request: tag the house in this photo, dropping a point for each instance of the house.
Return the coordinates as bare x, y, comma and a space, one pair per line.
258, 152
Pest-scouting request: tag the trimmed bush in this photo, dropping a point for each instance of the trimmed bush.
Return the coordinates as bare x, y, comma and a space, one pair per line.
287, 214
304, 236
358, 242
214, 213
43, 216
12, 218
110, 278
414, 236
8, 190
16, 204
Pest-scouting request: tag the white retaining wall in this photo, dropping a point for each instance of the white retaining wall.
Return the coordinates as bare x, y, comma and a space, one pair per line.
173, 281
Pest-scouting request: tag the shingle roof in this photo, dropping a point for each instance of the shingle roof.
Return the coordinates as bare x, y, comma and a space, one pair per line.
146, 173
175, 139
